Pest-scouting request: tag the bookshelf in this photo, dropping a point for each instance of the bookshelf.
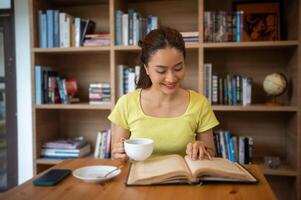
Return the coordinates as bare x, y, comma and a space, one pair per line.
275, 130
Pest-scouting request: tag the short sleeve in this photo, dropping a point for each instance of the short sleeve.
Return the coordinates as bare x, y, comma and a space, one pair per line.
119, 114
207, 119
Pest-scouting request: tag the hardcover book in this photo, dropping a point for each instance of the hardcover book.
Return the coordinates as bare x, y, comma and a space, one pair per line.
174, 169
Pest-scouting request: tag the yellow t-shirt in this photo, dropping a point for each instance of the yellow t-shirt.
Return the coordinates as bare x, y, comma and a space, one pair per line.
171, 134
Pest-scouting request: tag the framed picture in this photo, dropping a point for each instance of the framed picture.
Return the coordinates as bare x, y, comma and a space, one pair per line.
261, 20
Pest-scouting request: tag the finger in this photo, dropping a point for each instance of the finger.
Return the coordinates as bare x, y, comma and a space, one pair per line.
195, 151
201, 152
207, 154
120, 156
118, 150
189, 150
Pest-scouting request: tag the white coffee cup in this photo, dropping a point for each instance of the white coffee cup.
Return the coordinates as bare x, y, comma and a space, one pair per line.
139, 148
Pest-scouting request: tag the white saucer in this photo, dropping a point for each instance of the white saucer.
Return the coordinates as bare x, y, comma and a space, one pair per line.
93, 174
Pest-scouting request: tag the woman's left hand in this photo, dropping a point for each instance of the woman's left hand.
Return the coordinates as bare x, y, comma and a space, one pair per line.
197, 150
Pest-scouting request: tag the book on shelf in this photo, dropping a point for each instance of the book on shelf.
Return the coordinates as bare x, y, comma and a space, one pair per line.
66, 143
100, 93
60, 29
66, 153
222, 26
50, 88
174, 169
235, 148
131, 27
103, 144
128, 78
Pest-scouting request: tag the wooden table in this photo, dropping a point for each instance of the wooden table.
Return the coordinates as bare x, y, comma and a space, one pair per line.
72, 188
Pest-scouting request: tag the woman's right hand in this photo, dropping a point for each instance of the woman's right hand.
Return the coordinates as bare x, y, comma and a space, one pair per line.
118, 151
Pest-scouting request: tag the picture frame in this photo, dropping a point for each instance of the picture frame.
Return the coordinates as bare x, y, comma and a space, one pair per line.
261, 20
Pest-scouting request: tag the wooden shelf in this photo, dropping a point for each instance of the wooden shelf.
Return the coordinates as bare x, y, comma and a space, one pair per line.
283, 170
255, 108
50, 161
127, 48
240, 45
79, 106
190, 45
72, 50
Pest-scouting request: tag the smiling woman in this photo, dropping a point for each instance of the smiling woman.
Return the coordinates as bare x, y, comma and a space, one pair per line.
178, 120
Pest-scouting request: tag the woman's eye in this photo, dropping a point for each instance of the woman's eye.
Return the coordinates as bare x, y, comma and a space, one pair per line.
179, 68
161, 71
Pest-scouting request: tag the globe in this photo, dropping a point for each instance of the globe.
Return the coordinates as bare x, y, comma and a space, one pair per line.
274, 84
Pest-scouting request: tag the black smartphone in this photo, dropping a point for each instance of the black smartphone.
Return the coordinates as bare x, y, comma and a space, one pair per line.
52, 177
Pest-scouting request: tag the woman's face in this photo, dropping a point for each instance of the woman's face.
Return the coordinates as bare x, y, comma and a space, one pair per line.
166, 70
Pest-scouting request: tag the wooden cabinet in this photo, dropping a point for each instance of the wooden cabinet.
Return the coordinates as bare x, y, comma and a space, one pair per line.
275, 130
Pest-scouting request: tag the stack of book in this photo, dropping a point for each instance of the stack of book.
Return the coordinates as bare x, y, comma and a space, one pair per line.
192, 36
92, 40
103, 144
100, 93
66, 148
235, 148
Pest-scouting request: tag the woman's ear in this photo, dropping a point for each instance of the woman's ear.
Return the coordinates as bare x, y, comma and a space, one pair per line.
146, 69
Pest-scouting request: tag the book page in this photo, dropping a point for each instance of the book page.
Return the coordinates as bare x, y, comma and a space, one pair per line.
158, 170
217, 167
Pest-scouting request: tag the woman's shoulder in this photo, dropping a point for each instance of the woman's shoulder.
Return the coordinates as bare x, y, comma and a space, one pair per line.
197, 97
130, 97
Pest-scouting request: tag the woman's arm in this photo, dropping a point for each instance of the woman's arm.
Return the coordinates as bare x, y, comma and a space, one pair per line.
119, 134
208, 139
203, 146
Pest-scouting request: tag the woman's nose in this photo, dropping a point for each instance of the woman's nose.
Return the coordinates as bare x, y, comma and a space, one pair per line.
170, 77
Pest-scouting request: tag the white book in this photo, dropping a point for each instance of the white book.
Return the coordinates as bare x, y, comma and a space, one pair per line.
62, 18
125, 29
246, 91
97, 145
131, 81
77, 31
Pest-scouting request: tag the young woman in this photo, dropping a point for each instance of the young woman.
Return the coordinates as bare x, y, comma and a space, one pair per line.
179, 121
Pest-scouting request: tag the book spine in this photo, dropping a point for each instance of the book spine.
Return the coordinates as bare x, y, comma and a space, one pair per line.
38, 85
214, 89
50, 31
220, 90
125, 30
56, 27
241, 151
250, 149
44, 30
131, 26
108, 145
118, 27
223, 144
97, 144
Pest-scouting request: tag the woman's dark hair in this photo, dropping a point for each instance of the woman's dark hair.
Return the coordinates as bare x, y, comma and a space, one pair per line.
153, 41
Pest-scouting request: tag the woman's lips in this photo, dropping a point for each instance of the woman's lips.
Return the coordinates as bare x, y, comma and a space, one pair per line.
170, 86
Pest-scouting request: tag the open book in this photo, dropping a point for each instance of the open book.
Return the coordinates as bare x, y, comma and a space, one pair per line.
174, 169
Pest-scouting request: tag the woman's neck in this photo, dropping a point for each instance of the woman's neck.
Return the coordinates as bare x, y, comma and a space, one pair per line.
159, 96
